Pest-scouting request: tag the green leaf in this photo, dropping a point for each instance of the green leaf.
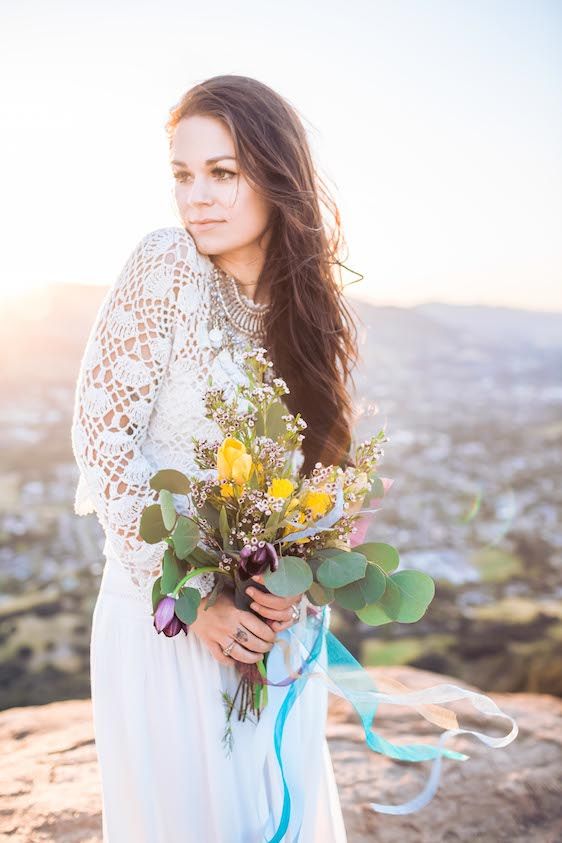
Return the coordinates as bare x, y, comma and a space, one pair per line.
361, 593
223, 526
152, 528
185, 536
168, 508
293, 576
417, 591
383, 554
199, 557
171, 480
341, 567
406, 598
276, 426
172, 571
209, 513
156, 593
187, 604
272, 524
319, 595
385, 610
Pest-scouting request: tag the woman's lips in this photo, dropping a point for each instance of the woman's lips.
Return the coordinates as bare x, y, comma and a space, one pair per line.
205, 226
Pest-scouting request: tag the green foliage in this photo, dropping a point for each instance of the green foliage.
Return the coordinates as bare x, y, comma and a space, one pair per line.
319, 595
156, 593
339, 567
362, 592
168, 508
172, 571
383, 554
293, 576
171, 480
187, 604
185, 536
406, 598
152, 528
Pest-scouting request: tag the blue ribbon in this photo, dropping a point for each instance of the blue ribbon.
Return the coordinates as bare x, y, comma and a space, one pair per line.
347, 678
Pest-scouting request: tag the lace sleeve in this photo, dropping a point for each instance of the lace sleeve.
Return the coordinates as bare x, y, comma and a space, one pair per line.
120, 376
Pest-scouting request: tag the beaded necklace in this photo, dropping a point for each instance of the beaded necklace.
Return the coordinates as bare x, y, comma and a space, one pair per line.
234, 317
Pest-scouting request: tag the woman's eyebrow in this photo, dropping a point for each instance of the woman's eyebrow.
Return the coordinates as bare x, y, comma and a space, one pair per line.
208, 161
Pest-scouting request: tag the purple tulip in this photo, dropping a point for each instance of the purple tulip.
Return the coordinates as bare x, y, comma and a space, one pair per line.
166, 620
256, 560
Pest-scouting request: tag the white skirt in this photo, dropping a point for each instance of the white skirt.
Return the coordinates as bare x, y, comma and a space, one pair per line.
158, 723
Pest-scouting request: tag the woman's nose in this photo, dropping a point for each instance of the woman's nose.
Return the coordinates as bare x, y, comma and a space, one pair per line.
199, 192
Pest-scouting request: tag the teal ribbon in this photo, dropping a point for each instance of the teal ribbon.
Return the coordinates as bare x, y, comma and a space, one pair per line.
347, 678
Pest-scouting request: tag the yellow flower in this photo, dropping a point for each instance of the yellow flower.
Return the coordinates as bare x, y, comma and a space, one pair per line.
227, 490
280, 487
301, 518
233, 461
318, 502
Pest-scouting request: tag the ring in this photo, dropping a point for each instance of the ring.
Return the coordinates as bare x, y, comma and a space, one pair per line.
296, 611
228, 648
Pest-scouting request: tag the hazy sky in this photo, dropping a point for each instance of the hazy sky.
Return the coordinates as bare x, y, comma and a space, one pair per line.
438, 124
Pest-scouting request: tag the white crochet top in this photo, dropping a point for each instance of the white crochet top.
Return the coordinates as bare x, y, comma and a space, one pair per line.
139, 395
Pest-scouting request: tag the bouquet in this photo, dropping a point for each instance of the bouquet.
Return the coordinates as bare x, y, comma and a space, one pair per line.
254, 514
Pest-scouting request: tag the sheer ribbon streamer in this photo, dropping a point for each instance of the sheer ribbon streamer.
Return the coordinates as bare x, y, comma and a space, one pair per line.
325, 657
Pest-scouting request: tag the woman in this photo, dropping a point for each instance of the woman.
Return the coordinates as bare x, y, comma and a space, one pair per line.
251, 263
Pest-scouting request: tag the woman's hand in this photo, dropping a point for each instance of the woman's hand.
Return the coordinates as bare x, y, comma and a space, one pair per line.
276, 610
223, 622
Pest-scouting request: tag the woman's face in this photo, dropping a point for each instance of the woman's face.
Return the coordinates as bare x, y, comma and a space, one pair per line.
210, 185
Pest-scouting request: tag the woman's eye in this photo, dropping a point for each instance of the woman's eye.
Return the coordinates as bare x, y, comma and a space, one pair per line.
224, 172
225, 175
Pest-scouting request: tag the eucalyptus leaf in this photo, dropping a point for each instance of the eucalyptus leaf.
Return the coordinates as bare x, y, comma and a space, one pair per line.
187, 604
172, 571
169, 514
361, 593
293, 576
383, 554
185, 536
385, 610
152, 528
170, 479
319, 595
156, 593
417, 591
340, 568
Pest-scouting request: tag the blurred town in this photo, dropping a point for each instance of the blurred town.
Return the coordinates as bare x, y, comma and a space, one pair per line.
470, 398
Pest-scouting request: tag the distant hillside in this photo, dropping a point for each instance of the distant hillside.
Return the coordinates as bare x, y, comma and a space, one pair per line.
497, 324
42, 334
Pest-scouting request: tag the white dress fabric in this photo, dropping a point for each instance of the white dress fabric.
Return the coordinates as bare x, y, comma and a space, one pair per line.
157, 707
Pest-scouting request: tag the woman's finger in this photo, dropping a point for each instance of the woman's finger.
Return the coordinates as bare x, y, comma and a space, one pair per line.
259, 628
272, 614
272, 601
241, 654
218, 654
280, 626
247, 639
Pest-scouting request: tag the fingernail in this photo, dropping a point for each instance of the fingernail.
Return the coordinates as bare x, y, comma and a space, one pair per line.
253, 605
250, 591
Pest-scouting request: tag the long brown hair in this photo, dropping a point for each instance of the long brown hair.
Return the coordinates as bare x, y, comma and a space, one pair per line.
311, 335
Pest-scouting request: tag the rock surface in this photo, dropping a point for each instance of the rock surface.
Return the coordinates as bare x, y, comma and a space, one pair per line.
50, 789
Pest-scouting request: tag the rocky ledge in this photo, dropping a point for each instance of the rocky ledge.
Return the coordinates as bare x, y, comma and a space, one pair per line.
49, 784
